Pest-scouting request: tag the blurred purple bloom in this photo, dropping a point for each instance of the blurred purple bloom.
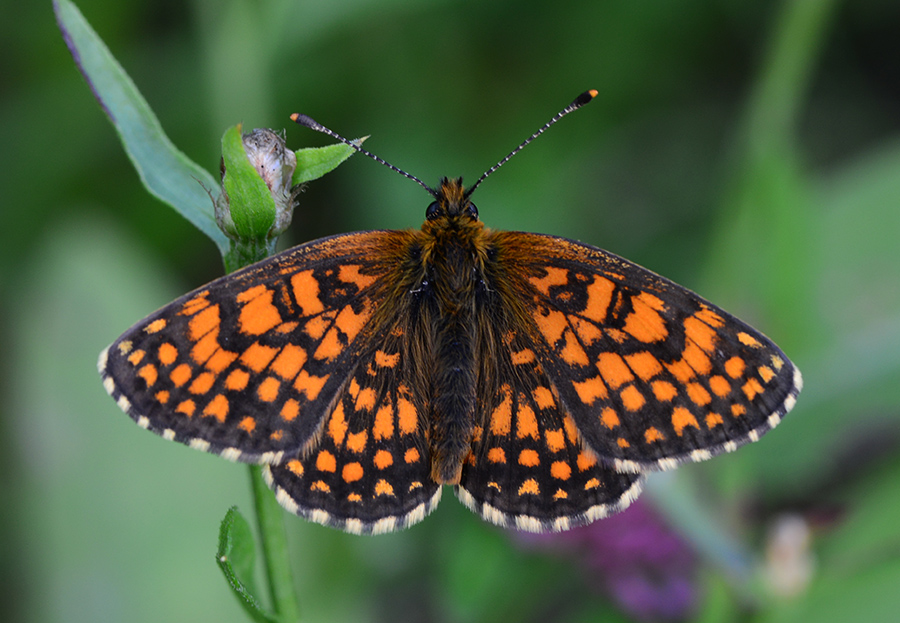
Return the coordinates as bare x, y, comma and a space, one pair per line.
634, 557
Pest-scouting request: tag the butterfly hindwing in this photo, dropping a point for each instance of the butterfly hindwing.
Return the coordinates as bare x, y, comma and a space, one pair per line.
651, 373
249, 365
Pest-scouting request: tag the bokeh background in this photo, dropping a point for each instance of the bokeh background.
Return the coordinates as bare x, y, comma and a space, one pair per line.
747, 149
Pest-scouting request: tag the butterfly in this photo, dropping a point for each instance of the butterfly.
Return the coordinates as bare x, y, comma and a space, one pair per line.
540, 377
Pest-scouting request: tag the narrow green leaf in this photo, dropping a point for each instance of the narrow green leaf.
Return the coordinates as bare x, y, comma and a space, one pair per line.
236, 557
166, 172
250, 203
314, 162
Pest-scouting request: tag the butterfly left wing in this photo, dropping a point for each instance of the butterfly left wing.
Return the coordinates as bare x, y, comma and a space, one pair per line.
651, 373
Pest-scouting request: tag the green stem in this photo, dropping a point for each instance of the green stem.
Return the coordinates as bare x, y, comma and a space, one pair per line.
269, 520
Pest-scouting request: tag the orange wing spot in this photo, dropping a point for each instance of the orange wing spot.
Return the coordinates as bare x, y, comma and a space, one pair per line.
586, 331
202, 383
698, 394
560, 495
697, 359
268, 389
258, 315
276, 435
383, 487
614, 369
310, 385
383, 459
325, 462
526, 422
219, 360
320, 485
167, 353
356, 442
632, 398
663, 390
411, 456
295, 467
306, 293
501, 416
738, 410
572, 352
645, 323
748, 340
287, 327
645, 365
180, 375
407, 417
720, 386
496, 455
710, 317
734, 367
136, 357
125, 347
589, 390
585, 460
623, 443
560, 470
196, 304
354, 497
386, 360
352, 472
162, 397
248, 424
530, 487
237, 380
599, 296
682, 418
777, 362
766, 373
353, 388
681, 370
289, 361
350, 322
529, 458
290, 410
203, 323
206, 347
330, 346
543, 397
571, 430
619, 337
652, 434
476, 434
555, 439
156, 326
609, 418
551, 325
494, 485
257, 356
349, 273
316, 327
366, 399
752, 388
700, 333
337, 425
523, 356
149, 373
713, 420
187, 407
384, 422
554, 277
593, 483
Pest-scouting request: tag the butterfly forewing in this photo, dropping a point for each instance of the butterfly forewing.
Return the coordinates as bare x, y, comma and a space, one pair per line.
651, 373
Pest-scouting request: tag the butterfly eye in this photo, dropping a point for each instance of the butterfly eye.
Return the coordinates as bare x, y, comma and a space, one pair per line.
472, 211
433, 211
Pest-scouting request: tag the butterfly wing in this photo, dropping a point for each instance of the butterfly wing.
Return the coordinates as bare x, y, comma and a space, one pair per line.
250, 365
651, 373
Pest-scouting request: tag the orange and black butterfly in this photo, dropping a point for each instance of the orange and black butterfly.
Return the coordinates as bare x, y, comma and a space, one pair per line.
539, 376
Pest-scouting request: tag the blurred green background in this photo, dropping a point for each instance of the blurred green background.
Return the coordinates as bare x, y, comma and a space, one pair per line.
748, 150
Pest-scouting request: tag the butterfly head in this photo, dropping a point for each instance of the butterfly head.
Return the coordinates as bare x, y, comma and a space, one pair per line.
451, 201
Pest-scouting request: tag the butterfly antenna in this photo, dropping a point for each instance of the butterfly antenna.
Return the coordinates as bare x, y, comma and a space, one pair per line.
580, 101
312, 124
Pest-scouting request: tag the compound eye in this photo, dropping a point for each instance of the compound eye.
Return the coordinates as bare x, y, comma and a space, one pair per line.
472, 211
433, 211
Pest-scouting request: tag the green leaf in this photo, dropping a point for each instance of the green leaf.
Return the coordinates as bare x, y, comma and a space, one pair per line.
314, 162
250, 203
236, 557
166, 172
